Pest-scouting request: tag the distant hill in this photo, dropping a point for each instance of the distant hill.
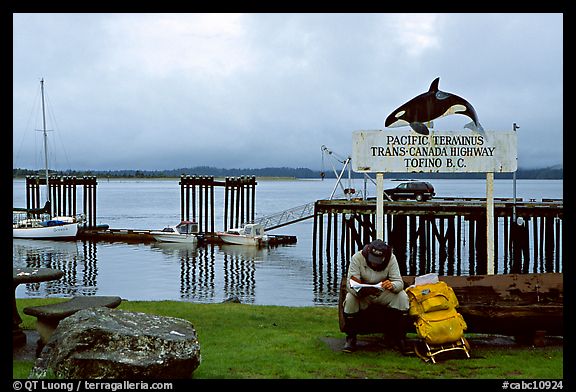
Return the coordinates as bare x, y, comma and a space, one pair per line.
548, 173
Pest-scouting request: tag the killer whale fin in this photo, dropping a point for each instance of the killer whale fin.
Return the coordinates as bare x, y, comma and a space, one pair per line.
434, 85
420, 128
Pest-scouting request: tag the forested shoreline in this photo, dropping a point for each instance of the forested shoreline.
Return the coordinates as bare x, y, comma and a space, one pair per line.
550, 173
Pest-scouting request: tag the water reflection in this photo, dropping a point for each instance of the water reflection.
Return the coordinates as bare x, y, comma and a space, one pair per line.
327, 273
73, 258
198, 270
197, 276
90, 266
239, 271
156, 271
180, 250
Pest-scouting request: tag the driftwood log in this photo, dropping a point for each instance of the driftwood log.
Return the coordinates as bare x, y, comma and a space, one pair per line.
521, 305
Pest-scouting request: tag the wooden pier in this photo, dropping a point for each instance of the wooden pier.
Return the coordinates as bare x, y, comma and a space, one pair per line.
196, 203
63, 193
197, 200
445, 235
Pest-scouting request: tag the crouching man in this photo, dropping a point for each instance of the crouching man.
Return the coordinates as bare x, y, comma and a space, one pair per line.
376, 264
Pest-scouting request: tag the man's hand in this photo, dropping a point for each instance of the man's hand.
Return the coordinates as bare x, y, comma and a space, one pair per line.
387, 285
366, 291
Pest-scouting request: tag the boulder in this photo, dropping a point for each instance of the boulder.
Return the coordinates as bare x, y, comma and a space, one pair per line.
103, 343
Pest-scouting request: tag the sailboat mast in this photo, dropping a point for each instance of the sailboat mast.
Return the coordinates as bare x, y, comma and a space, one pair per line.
45, 140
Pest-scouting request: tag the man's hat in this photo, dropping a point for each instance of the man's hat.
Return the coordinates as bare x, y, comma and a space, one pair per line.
379, 252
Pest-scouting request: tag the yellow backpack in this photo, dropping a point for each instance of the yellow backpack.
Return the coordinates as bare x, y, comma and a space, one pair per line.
434, 305
431, 297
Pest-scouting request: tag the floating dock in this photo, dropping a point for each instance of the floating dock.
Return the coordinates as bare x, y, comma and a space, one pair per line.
144, 236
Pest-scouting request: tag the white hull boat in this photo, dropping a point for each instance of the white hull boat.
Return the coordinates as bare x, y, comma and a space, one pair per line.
178, 238
38, 223
183, 232
56, 228
250, 234
68, 231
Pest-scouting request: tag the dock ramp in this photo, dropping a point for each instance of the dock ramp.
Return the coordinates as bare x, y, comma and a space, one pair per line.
291, 215
287, 217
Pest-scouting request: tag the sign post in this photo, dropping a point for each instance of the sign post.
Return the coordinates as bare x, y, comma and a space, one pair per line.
380, 206
381, 151
490, 223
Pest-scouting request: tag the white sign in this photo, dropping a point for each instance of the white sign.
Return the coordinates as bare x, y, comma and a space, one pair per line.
386, 151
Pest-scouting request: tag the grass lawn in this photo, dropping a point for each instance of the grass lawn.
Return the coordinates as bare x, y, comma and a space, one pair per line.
240, 341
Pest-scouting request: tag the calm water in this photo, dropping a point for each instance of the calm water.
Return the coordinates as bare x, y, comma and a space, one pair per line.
285, 275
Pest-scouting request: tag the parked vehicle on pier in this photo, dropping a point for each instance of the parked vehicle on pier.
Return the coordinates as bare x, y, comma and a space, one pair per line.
411, 190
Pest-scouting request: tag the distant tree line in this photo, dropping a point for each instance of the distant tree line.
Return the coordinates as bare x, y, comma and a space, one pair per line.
549, 173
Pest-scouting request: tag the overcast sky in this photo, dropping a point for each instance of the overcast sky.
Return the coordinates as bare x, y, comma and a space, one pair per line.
166, 91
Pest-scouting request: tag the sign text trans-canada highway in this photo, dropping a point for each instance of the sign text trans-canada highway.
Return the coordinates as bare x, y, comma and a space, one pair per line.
381, 151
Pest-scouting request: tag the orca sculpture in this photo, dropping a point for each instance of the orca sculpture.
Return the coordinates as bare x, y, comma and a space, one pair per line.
431, 105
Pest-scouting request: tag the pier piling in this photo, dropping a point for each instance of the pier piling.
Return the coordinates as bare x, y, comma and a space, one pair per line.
197, 196
239, 201
63, 192
438, 236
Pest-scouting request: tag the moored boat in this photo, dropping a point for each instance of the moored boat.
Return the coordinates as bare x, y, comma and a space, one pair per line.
183, 232
25, 226
249, 234
38, 223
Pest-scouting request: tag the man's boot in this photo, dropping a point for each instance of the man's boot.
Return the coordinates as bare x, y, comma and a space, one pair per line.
350, 345
405, 325
400, 325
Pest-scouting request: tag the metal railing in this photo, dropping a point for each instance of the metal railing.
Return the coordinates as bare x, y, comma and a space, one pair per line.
286, 217
293, 215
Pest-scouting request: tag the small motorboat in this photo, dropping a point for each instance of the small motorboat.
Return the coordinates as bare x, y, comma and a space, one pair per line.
249, 234
185, 231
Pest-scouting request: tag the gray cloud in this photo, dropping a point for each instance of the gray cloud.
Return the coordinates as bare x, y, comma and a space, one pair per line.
161, 91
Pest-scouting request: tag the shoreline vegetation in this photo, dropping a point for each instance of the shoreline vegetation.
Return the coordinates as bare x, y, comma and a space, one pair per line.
279, 173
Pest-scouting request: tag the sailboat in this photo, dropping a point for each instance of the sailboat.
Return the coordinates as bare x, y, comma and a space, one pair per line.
38, 223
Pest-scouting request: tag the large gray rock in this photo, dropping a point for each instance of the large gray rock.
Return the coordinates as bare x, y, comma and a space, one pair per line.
109, 343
